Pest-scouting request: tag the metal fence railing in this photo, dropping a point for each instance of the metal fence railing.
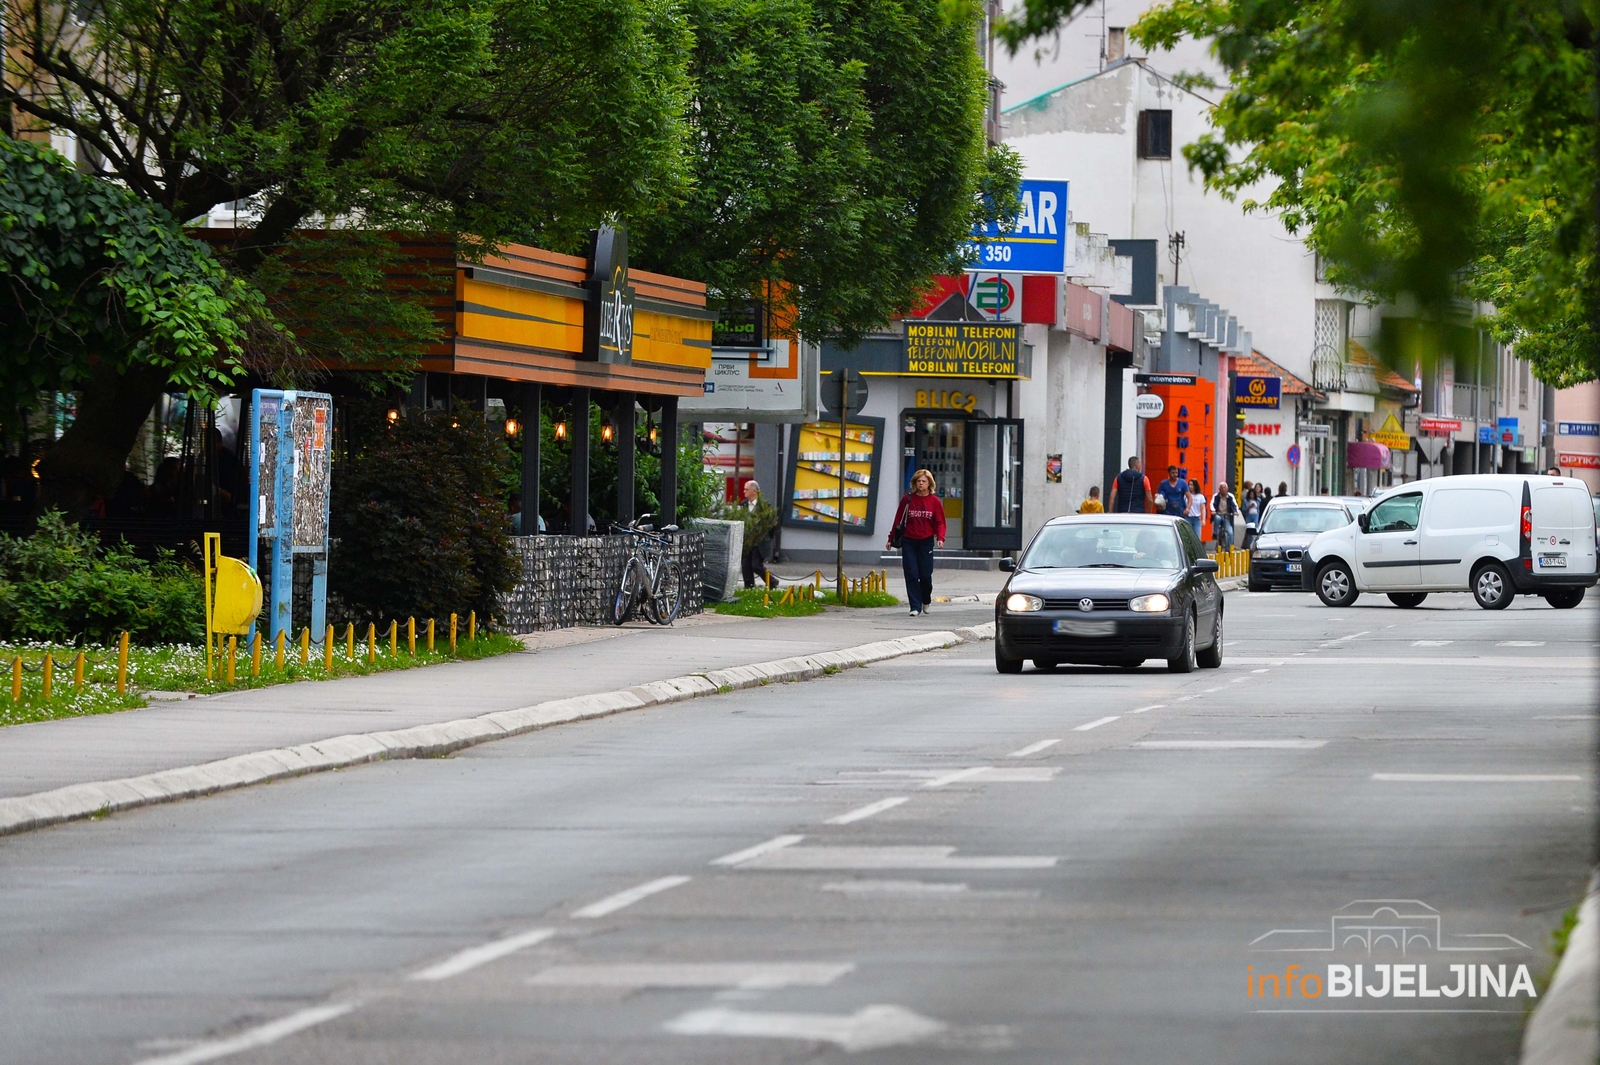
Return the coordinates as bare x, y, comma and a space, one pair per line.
573, 580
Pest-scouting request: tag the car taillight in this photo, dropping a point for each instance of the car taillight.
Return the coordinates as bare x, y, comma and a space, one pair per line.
1527, 524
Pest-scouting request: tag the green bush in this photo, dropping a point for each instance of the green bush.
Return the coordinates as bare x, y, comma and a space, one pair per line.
62, 585
420, 527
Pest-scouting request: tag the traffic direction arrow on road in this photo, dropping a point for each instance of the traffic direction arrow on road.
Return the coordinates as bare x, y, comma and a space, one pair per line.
870, 1028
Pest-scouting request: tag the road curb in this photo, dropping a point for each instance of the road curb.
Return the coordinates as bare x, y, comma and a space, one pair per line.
1565, 1027
77, 802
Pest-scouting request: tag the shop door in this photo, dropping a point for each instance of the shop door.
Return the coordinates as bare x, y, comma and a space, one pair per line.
940, 448
994, 484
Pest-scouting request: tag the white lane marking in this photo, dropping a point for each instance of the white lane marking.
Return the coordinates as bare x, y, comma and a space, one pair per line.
473, 957
861, 813
1210, 691
895, 857
1520, 643
776, 843
1354, 636
1476, 778
1478, 661
1033, 748
1097, 723
1564, 717
957, 776
1238, 680
622, 899
869, 1028
746, 976
1143, 709
1232, 745
1258, 671
1033, 774
893, 887
1431, 643
252, 1038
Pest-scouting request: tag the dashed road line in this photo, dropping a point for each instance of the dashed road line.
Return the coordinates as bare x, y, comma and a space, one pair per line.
1097, 723
776, 843
957, 776
861, 813
1231, 745
1520, 643
1033, 748
473, 957
254, 1038
622, 899
1152, 706
1476, 778
1431, 643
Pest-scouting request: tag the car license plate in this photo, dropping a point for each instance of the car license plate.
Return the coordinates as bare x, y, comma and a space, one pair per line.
1086, 628
1293, 567
1553, 561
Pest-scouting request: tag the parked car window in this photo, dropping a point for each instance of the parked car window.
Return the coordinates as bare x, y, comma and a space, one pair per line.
1396, 514
1079, 546
1304, 519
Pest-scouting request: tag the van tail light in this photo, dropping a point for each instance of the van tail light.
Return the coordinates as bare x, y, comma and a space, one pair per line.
1527, 524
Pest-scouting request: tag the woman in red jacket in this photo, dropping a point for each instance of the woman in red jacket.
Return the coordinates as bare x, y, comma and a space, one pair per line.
920, 519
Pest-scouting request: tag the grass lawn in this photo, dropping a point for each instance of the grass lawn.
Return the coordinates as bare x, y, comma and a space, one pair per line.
749, 603
182, 667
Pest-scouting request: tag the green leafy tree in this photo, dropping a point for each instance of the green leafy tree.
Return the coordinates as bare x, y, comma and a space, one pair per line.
101, 291
497, 120
420, 525
1439, 150
839, 156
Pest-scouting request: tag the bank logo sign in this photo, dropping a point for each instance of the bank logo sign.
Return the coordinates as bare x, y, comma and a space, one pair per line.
1387, 950
1258, 392
1034, 242
997, 296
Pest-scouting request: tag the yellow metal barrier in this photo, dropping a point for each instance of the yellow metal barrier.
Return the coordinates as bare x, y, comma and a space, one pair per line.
1235, 563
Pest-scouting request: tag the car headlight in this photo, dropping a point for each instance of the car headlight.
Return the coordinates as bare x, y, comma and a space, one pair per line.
1017, 603
1266, 552
1150, 604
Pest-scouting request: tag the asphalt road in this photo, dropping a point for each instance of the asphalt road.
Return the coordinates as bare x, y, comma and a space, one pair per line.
961, 889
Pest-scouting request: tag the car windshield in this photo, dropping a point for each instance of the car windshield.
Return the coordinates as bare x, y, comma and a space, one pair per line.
1304, 520
1080, 546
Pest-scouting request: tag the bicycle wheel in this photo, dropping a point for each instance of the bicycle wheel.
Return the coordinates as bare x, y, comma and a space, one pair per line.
667, 600
627, 593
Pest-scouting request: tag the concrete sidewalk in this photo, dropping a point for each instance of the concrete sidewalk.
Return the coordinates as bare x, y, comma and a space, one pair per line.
53, 754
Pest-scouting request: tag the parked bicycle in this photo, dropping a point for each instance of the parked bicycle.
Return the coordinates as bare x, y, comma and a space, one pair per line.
650, 580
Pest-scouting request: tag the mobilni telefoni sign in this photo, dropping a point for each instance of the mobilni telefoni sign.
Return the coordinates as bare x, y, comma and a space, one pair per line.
963, 349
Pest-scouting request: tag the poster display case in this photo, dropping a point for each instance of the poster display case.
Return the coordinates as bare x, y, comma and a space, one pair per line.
812, 500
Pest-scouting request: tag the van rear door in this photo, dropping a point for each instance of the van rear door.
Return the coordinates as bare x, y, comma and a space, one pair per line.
1563, 531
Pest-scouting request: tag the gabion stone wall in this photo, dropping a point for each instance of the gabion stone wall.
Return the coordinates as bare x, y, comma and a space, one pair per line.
573, 580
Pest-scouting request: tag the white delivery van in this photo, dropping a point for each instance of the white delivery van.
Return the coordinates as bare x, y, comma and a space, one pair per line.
1495, 535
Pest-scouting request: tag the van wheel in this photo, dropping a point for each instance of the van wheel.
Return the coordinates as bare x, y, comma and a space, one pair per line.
1002, 664
1407, 600
1184, 660
1491, 586
1336, 586
1565, 598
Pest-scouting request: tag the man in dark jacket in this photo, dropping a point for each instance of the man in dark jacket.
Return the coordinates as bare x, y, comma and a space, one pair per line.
1130, 491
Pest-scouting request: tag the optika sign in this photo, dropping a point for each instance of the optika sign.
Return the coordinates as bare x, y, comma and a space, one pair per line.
1396, 980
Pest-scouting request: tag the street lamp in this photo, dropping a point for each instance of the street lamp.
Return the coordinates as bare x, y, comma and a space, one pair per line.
512, 428
561, 430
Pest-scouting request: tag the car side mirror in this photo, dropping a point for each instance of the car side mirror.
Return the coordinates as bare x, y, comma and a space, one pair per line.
1008, 564
1205, 565
1361, 520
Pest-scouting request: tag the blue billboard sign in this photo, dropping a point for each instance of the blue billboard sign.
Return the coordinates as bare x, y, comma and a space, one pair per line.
1257, 392
1035, 242
1578, 428
1485, 434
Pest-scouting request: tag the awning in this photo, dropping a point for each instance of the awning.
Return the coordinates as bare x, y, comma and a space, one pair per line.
1253, 450
1365, 455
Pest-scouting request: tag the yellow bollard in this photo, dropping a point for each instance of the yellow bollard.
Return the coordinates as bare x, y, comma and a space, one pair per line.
255, 654
452, 634
122, 665
472, 625
77, 673
372, 642
16, 679
49, 673
327, 651
411, 637
305, 646
350, 643
233, 654
277, 654
394, 638
430, 636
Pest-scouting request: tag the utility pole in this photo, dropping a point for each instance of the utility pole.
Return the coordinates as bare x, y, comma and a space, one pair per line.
1175, 252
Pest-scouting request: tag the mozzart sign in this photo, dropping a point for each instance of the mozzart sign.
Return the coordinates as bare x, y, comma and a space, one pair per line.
1257, 391
962, 349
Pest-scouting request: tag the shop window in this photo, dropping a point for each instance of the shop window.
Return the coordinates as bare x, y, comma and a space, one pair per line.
1155, 134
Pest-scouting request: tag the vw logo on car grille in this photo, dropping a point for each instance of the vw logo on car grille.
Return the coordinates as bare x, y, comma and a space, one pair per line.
1085, 605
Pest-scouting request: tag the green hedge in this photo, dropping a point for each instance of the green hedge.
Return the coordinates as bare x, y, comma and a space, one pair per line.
62, 585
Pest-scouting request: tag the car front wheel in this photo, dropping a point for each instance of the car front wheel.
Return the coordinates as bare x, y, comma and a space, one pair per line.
1491, 587
1336, 585
1211, 657
1184, 660
1002, 664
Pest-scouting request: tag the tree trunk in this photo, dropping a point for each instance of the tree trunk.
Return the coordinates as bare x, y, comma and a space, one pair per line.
87, 462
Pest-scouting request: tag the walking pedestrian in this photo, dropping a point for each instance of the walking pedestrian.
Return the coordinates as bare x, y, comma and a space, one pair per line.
920, 523
760, 521
1224, 509
1091, 504
1197, 510
1283, 488
1172, 495
1130, 492
1252, 517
